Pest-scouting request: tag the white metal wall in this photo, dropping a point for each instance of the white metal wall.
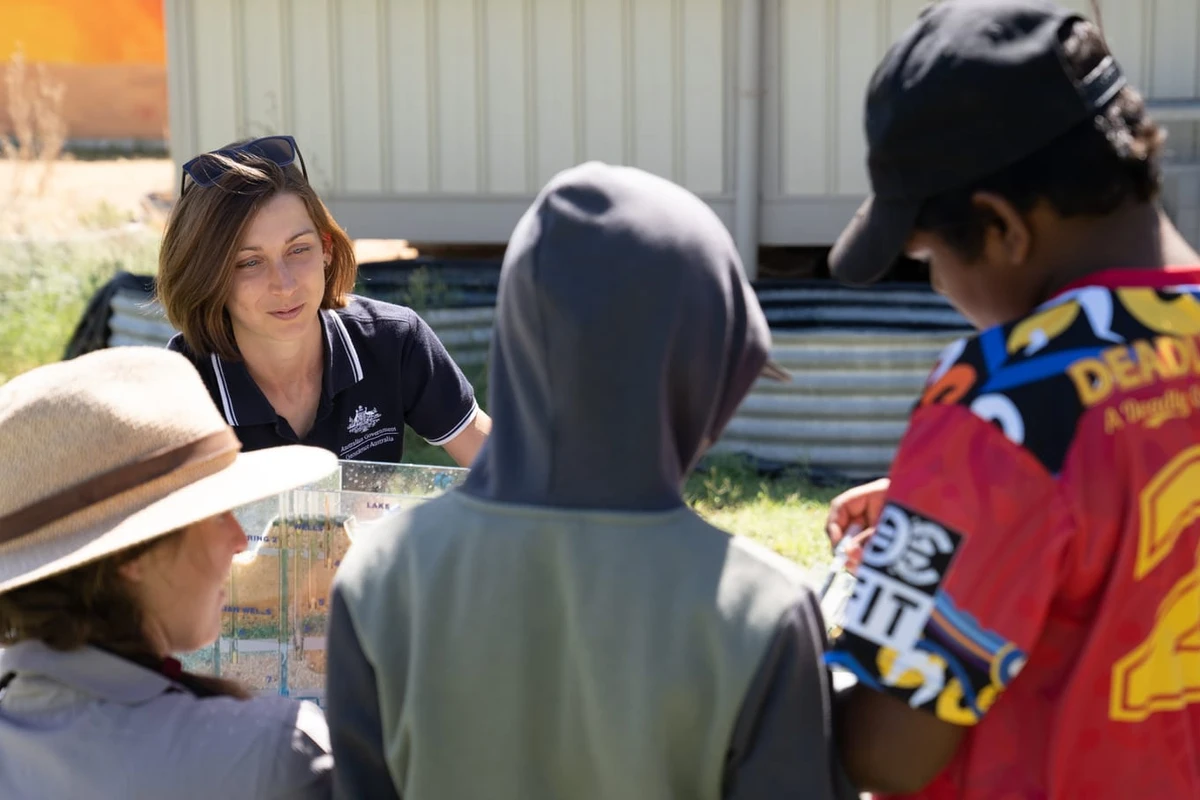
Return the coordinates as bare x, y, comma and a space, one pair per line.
439, 119
820, 55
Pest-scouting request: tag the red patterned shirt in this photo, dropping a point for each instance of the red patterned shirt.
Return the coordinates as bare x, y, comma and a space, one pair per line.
1035, 574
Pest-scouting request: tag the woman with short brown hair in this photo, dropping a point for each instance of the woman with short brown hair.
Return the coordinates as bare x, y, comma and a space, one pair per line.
257, 276
116, 542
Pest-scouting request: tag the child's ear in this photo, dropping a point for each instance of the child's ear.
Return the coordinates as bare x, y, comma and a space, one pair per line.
1009, 237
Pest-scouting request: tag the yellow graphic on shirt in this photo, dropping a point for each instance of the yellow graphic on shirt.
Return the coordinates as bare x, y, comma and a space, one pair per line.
1034, 332
926, 673
1154, 412
1163, 672
953, 708
1178, 314
915, 669
1130, 367
1168, 505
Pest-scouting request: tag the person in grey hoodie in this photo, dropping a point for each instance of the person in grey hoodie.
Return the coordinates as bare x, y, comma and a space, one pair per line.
563, 625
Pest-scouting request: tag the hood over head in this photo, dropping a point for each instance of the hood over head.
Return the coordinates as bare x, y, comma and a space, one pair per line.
626, 335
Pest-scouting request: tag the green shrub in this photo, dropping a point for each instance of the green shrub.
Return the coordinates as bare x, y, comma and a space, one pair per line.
45, 286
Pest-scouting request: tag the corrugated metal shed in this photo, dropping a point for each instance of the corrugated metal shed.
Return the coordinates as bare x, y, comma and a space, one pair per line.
842, 414
438, 120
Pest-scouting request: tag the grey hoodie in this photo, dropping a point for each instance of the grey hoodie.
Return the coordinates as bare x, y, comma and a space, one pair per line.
564, 626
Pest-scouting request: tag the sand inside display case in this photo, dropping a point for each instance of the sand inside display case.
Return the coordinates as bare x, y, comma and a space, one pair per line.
277, 601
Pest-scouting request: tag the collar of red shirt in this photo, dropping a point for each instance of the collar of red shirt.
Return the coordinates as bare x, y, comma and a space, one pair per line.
1152, 278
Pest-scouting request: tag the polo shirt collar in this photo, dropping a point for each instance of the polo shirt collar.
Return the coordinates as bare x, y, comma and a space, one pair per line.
342, 366
243, 403
89, 669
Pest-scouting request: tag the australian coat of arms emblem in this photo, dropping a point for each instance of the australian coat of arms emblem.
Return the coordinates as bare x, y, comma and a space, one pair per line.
363, 420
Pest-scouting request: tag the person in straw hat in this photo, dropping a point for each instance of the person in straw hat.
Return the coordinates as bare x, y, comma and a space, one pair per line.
116, 541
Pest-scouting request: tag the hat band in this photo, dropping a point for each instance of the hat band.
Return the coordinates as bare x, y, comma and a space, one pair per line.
125, 478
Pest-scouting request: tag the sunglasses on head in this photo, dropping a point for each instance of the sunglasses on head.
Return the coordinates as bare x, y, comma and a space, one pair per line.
207, 168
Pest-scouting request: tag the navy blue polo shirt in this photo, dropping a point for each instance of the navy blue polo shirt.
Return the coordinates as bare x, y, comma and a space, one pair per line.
384, 368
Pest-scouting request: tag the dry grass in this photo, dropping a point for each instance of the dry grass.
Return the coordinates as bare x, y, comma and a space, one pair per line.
85, 200
44, 193
66, 227
39, 130
58, 248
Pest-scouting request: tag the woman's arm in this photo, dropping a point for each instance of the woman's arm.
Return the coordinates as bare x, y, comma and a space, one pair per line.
465, 446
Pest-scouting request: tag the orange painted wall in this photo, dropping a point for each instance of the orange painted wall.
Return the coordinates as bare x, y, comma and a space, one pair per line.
110, 55
84, 32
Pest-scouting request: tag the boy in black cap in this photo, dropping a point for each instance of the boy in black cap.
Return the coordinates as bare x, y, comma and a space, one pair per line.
1026, 617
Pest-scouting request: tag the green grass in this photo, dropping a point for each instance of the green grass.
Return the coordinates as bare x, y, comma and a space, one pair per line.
784, 512
44, 288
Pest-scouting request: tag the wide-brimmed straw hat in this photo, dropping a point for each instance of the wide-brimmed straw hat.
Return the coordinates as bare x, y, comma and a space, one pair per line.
116, 448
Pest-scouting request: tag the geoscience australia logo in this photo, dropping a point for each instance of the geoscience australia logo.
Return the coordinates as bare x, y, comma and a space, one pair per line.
363, 420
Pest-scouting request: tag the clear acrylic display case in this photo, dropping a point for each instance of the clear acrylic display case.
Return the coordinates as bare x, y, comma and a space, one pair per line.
277, 600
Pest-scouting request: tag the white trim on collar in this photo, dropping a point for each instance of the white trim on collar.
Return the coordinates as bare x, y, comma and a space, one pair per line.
223, 387
347, 345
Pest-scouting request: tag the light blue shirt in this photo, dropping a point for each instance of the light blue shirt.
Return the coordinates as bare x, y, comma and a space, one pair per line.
87, 724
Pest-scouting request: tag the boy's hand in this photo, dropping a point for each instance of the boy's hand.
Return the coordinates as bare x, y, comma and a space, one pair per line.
856, 508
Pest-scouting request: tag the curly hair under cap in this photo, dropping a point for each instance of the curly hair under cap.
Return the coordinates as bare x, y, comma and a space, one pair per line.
1092, 170
93, 605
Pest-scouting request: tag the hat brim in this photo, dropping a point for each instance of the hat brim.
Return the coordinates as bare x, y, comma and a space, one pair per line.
252, 476
873, 240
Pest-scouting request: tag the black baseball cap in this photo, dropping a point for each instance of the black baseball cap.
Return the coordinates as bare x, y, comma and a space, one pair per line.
972, 87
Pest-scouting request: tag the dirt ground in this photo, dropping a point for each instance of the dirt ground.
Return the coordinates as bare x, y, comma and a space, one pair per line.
78, 199
71, 198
